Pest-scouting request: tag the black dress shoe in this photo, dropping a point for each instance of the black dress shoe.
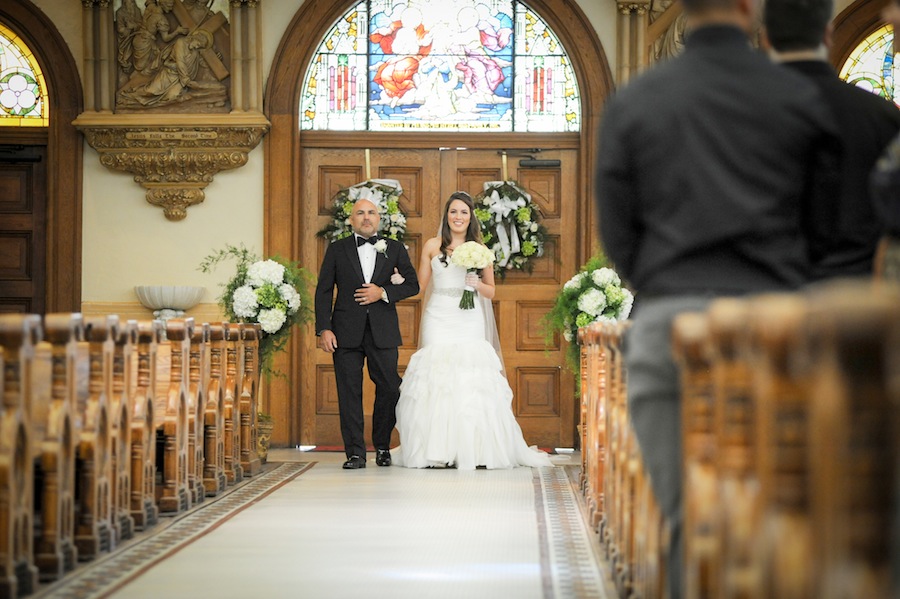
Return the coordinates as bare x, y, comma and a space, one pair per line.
383, 457
354, 462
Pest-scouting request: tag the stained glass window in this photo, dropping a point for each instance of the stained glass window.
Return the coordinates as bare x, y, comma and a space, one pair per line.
871, 65
457, 65
23, 100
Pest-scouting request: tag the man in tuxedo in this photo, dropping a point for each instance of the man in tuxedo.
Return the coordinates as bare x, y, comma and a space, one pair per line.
799, 34
710, 182
361, 326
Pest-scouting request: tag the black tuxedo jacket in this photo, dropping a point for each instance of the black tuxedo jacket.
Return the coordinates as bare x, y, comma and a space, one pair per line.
867, 124
346, 318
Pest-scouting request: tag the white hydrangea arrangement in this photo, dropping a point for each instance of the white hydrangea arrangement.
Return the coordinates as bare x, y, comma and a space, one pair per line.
472, 256
510, 225
269, 292
595, 294
384, 193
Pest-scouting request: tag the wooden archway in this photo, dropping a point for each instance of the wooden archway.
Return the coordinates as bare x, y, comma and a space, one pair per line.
852, 26
284, 195
64, 144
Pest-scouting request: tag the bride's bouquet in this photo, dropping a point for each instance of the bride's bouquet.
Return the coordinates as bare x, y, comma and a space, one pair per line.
472, 256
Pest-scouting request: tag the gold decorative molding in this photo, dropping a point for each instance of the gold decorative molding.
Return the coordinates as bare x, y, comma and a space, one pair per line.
174, 157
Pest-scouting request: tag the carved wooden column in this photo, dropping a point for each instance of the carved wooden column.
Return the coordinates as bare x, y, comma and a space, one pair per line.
631, 32
144, 118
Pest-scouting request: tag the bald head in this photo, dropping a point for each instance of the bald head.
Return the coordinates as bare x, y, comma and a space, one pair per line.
365, 218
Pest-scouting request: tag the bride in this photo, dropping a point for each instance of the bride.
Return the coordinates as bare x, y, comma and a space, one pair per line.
455, 405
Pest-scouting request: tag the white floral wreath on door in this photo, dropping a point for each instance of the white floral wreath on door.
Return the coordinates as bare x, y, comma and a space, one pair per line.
510, 225
384, 193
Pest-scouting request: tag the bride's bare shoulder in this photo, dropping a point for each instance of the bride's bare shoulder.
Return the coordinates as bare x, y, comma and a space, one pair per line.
432, 246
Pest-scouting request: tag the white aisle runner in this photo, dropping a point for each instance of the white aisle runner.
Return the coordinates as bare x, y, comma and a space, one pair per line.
391, 532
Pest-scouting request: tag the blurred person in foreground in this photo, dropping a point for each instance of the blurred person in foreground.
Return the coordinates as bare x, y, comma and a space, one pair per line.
798, 33
885, 182
710, 177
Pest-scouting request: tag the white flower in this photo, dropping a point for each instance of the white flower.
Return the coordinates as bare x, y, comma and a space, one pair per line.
244, 302
592, 301
367, 193
381, 246
291, 296
627, 303
575, 282
395, 217
534, 227
271, 320
472, 255
265, 271
567, 335
605, 276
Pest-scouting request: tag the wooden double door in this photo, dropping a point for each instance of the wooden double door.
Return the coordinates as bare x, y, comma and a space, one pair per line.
543, 390
23, 227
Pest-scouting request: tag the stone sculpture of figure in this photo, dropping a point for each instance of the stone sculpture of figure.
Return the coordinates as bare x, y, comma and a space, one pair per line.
177, 80
198, 9
128, 22
146, 57
671, 42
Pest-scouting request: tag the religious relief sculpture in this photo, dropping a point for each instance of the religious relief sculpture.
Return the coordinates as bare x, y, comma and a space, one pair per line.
168, 57
168, 114
671, 42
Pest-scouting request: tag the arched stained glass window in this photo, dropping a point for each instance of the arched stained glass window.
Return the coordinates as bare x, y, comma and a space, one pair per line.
23, 93
453, 65
871, 65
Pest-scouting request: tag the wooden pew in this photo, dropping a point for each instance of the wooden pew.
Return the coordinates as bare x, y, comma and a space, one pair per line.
595, 399
249, 402
585, 390
616, 419
692, 352
93, 513
232, 386
198, 380
171, 411
18, 572
736, 427
853, 439
214, 478
52, 402
781, 395
120, 413
143, 428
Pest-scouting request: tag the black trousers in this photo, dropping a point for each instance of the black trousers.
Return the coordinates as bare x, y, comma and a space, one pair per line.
348, 370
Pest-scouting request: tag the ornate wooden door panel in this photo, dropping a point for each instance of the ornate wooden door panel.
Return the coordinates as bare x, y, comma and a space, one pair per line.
23, 242
543, 392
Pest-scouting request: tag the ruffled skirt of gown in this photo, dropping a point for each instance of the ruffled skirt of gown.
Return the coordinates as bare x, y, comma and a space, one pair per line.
455, 408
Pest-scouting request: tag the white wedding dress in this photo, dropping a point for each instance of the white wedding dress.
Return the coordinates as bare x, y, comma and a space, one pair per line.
455, 403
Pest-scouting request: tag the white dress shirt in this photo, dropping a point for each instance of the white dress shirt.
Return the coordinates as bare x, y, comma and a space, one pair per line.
366, 253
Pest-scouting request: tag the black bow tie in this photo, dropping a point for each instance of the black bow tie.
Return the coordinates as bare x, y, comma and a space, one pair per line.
360, 240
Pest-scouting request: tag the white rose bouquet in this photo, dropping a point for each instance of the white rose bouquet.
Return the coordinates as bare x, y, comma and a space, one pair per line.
472, 256
594, 294
269, 292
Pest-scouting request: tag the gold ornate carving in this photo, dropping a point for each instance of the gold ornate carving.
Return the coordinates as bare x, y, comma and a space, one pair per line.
637, 6
176, 157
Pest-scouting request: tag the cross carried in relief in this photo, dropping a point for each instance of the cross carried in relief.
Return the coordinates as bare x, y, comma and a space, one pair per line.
211, 25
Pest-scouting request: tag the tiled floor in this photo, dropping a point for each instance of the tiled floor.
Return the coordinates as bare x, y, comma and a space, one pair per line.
320, 531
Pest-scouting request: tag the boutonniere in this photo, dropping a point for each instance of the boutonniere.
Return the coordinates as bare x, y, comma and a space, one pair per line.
381, 247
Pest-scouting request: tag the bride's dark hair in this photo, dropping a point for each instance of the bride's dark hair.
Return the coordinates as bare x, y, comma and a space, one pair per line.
473, 233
